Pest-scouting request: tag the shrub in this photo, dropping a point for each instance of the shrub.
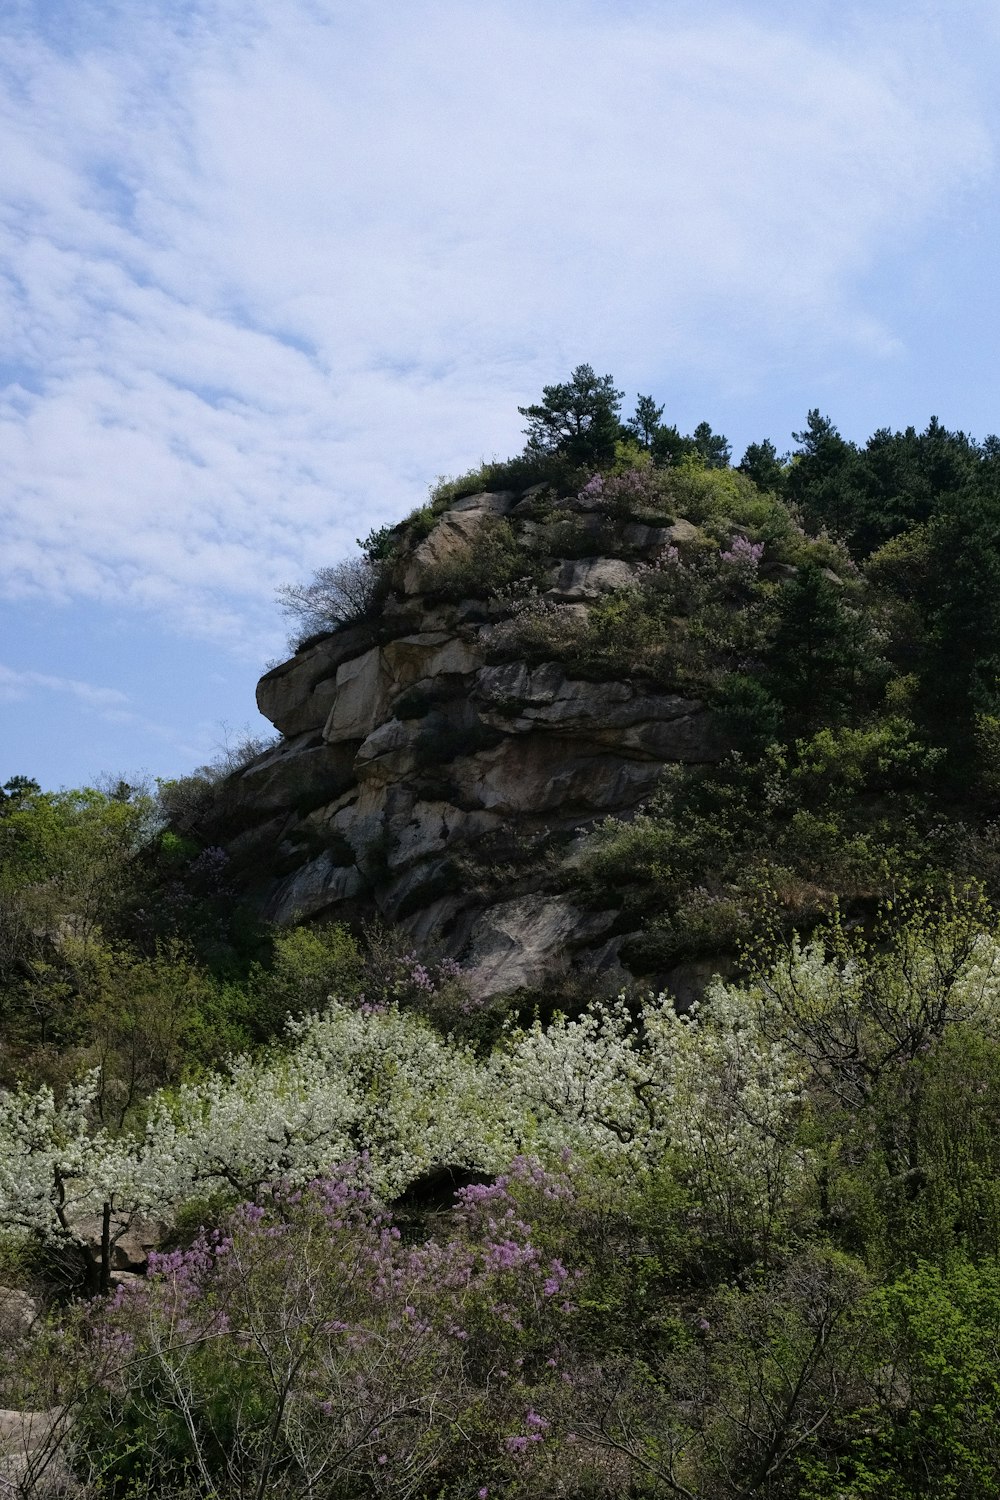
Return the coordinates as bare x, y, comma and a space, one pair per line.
537, 630
493, 561
307, 1350
702, 923
335, 596
750, 714
184, 801
631, 491
624, 635
700, 494
516, 474
307, 967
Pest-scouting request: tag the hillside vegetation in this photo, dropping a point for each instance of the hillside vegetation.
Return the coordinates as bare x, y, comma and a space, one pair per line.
310, 1212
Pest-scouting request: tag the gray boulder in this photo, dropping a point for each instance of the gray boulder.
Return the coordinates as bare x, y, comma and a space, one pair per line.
297, 695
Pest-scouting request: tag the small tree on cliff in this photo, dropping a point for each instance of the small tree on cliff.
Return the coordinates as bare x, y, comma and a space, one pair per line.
334, 596
579, 418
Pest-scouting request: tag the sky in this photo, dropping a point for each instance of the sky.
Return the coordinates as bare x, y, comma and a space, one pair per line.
268, 268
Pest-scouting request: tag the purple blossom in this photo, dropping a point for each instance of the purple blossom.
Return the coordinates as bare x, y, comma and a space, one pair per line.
743, 553
666, 564
554, 1282
370, 1295
508, 1255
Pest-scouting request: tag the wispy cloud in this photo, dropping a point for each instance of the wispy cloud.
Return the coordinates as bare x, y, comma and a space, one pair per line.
268, 267
15, 685
110, 705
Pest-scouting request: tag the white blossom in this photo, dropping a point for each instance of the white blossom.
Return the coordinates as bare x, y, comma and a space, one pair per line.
717, 1091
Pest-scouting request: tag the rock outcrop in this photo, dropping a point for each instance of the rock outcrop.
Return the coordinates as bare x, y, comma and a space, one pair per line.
424, 776
31, 1458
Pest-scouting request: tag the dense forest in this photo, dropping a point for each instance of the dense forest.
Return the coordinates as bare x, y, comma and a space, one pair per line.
409, 1242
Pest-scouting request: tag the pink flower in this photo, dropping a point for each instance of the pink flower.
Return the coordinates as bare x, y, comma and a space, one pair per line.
743, 553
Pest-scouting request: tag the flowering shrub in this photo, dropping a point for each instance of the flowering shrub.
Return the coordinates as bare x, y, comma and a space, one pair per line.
742, 553
496, 559
307, 1350
430, 986
372, 1080
718, 1095
633, 492
676, 1291
537, 629
386, 1085
684, 621
56, 1167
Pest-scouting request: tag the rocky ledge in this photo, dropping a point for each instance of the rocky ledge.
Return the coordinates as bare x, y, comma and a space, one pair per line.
423, 776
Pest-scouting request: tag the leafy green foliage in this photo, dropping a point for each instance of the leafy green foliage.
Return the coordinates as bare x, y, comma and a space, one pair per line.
722, 855
554, 471
493, 560
577, 418
767, 1266
756, 1254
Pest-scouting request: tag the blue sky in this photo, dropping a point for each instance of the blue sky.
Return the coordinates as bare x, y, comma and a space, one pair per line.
269, 267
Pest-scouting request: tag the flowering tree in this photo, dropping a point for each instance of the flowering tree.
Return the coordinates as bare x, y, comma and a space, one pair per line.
64, 1181
720, 1094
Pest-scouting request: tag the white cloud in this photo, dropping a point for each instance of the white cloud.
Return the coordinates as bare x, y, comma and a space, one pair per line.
269, 267
16, 685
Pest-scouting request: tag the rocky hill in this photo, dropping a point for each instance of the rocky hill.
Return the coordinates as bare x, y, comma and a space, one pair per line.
437, 769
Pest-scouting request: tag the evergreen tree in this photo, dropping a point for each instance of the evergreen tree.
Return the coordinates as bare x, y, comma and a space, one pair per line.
961, 676
645, 424
712, 446
578, 418
760, 463
670, 446
816, 660
820, 476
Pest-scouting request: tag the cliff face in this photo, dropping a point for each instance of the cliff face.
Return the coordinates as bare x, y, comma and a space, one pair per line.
431, 775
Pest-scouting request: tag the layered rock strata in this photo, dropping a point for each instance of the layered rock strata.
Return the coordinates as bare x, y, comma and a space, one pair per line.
423, 778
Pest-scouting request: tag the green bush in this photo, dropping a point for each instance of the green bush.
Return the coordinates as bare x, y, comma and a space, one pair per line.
537, 630
702, 494
928, 1429
494, 561
749, 713
520, 473
308, 966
